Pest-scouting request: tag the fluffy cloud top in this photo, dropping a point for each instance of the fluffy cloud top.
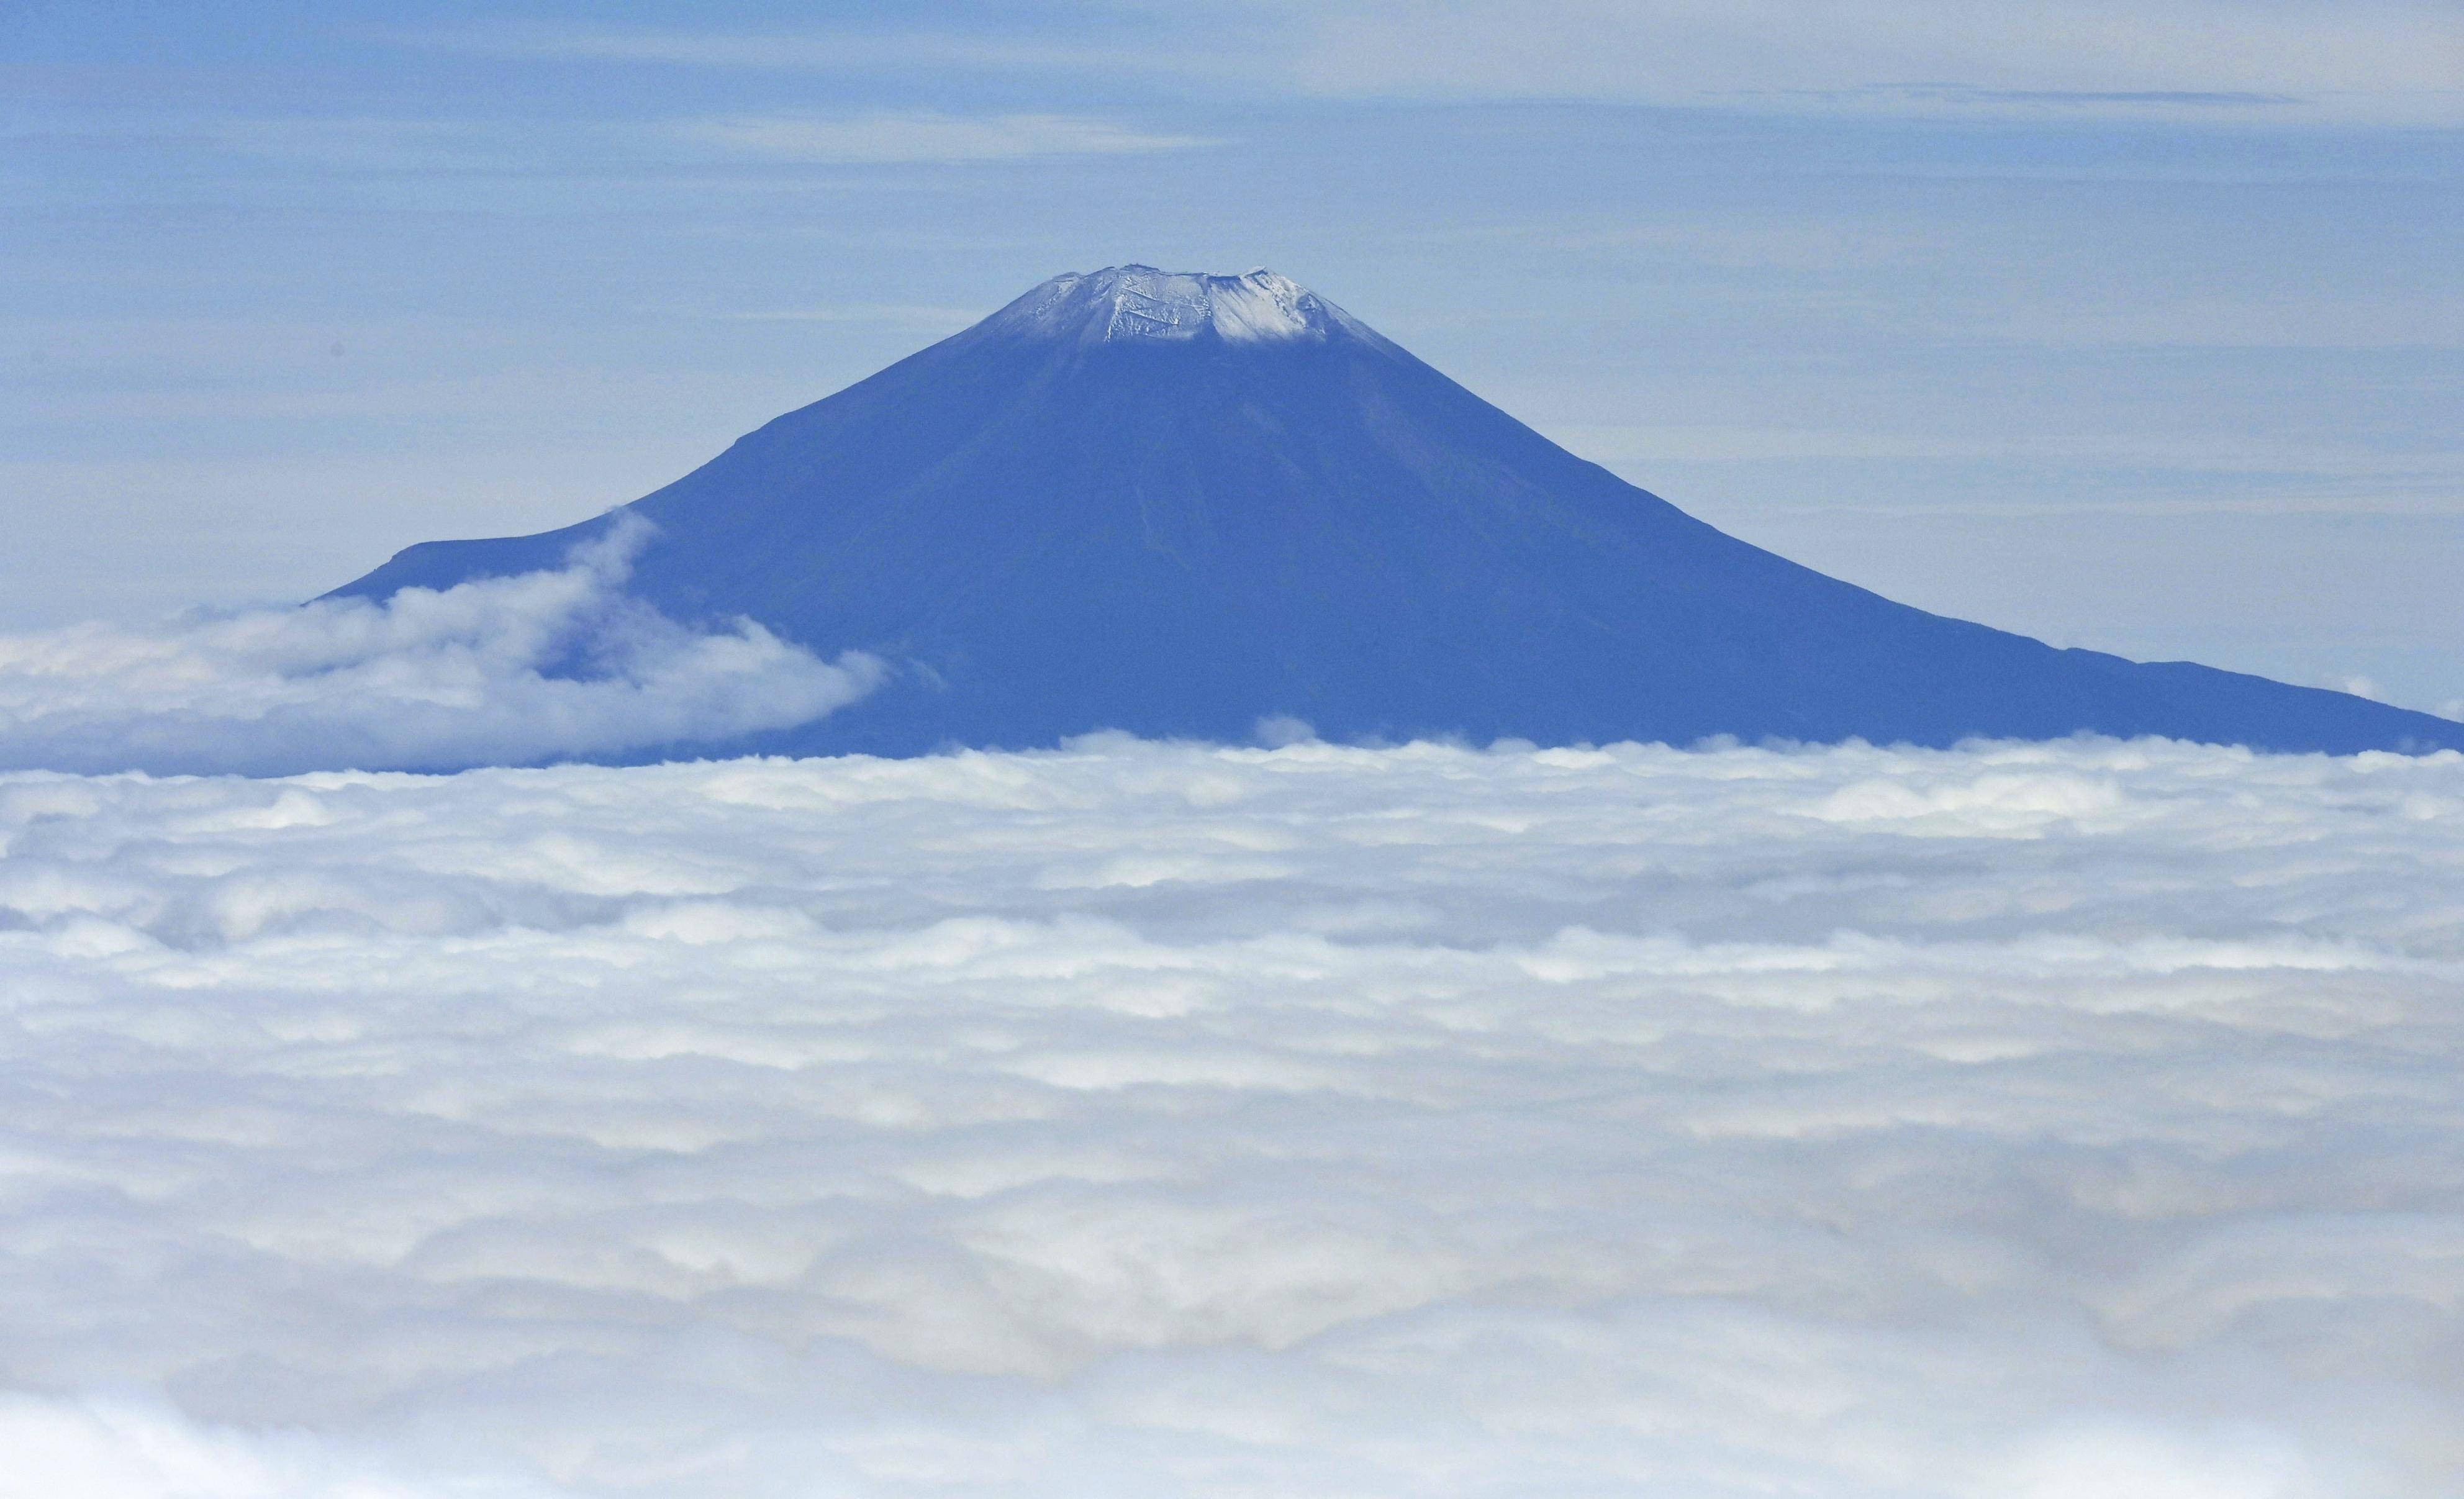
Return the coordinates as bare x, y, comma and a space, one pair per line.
2039, 1121
507, 671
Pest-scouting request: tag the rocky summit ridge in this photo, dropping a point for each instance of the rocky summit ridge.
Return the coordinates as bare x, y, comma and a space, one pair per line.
1137, 301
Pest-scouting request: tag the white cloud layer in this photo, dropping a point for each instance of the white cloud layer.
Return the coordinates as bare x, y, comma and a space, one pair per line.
2037, 1121
517, 670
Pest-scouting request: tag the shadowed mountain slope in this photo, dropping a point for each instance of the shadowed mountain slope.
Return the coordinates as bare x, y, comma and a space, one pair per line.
1178, 504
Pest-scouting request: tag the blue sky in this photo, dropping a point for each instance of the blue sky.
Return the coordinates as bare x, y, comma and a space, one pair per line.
2128, 325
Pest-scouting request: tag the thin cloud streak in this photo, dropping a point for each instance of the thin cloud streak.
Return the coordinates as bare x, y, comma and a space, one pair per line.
799, 52
2214, 60
893, 139
2209, 58
889, 313
920, 138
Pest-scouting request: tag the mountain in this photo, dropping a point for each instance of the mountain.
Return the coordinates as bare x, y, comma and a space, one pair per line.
1179, 504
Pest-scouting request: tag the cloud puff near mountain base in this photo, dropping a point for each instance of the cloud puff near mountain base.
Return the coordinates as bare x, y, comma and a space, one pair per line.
2039, 1121
518, 670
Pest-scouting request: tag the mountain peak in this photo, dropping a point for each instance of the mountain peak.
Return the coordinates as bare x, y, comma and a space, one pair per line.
1179, 504
1132, 302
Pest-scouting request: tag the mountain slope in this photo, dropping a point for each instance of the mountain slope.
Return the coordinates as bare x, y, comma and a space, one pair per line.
1178, 504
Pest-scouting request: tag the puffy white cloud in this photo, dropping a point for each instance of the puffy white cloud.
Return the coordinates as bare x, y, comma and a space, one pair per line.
2059, 1120
518, 670
132, 1449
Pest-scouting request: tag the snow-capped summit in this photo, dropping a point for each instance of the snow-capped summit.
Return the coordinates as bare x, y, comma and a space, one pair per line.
1179, 504
1125, 302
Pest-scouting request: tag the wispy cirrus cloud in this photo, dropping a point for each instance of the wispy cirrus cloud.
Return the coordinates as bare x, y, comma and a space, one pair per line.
2209, 59
918, 137
363, 146
938, 48
2214, 60
904, 315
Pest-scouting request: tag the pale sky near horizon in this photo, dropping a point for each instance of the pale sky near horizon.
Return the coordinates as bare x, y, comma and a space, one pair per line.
2134, 326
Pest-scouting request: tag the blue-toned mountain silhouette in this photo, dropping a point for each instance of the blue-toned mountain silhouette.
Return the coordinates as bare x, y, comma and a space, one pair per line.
1181, 505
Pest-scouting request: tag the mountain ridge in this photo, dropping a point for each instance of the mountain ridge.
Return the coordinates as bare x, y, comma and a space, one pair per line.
1176, 504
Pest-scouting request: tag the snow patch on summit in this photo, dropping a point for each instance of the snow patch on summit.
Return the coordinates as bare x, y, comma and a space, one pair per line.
1137, 301
1262, 305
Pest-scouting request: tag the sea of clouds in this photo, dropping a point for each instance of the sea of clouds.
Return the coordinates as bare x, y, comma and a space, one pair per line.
2076, 1121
